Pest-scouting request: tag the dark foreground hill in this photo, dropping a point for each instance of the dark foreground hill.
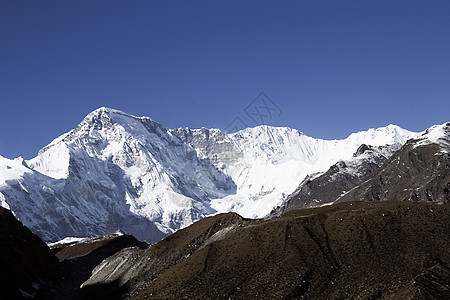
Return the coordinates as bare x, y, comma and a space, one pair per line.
78, 259
27, 266
414, 173
355, 250
29, 269
350, 250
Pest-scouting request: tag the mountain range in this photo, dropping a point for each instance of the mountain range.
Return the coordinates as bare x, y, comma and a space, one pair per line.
115, 171
266, 212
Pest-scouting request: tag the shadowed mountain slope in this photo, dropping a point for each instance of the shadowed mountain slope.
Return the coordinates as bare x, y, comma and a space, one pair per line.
78, 259
322, 189
419, 171
27, 265
29, 269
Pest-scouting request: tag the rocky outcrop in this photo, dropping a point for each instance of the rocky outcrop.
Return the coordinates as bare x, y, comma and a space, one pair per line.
417, 172
323, 189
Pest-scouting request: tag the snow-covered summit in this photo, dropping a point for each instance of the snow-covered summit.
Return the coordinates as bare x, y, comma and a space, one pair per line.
116, 166
384, 135
436, 134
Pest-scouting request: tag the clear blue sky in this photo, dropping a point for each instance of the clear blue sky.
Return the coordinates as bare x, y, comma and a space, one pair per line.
332, 67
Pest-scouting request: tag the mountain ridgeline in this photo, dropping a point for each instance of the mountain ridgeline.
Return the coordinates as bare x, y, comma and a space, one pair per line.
418, 171
263, 213
115, 171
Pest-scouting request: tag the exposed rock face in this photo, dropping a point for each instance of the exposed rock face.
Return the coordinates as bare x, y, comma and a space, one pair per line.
27, 266
323, 189
419, 171
347, 250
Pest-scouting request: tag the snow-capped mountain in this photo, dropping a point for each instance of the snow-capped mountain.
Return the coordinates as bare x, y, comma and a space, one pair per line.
117, 171
268, 163
419, 171
324, 188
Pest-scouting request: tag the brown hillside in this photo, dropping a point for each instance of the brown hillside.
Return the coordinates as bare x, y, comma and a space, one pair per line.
387, 250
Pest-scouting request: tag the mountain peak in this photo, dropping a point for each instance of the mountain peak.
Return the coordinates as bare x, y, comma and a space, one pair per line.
386, 135
104, 113
101, 109
106, 118
436, 134
107, 110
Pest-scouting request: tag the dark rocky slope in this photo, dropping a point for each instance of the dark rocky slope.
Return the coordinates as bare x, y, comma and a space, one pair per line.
386, 250
27, 265
415, 172
29, 269
326, 188
78, 259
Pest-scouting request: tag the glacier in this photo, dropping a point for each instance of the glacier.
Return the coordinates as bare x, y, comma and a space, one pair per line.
115, 171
